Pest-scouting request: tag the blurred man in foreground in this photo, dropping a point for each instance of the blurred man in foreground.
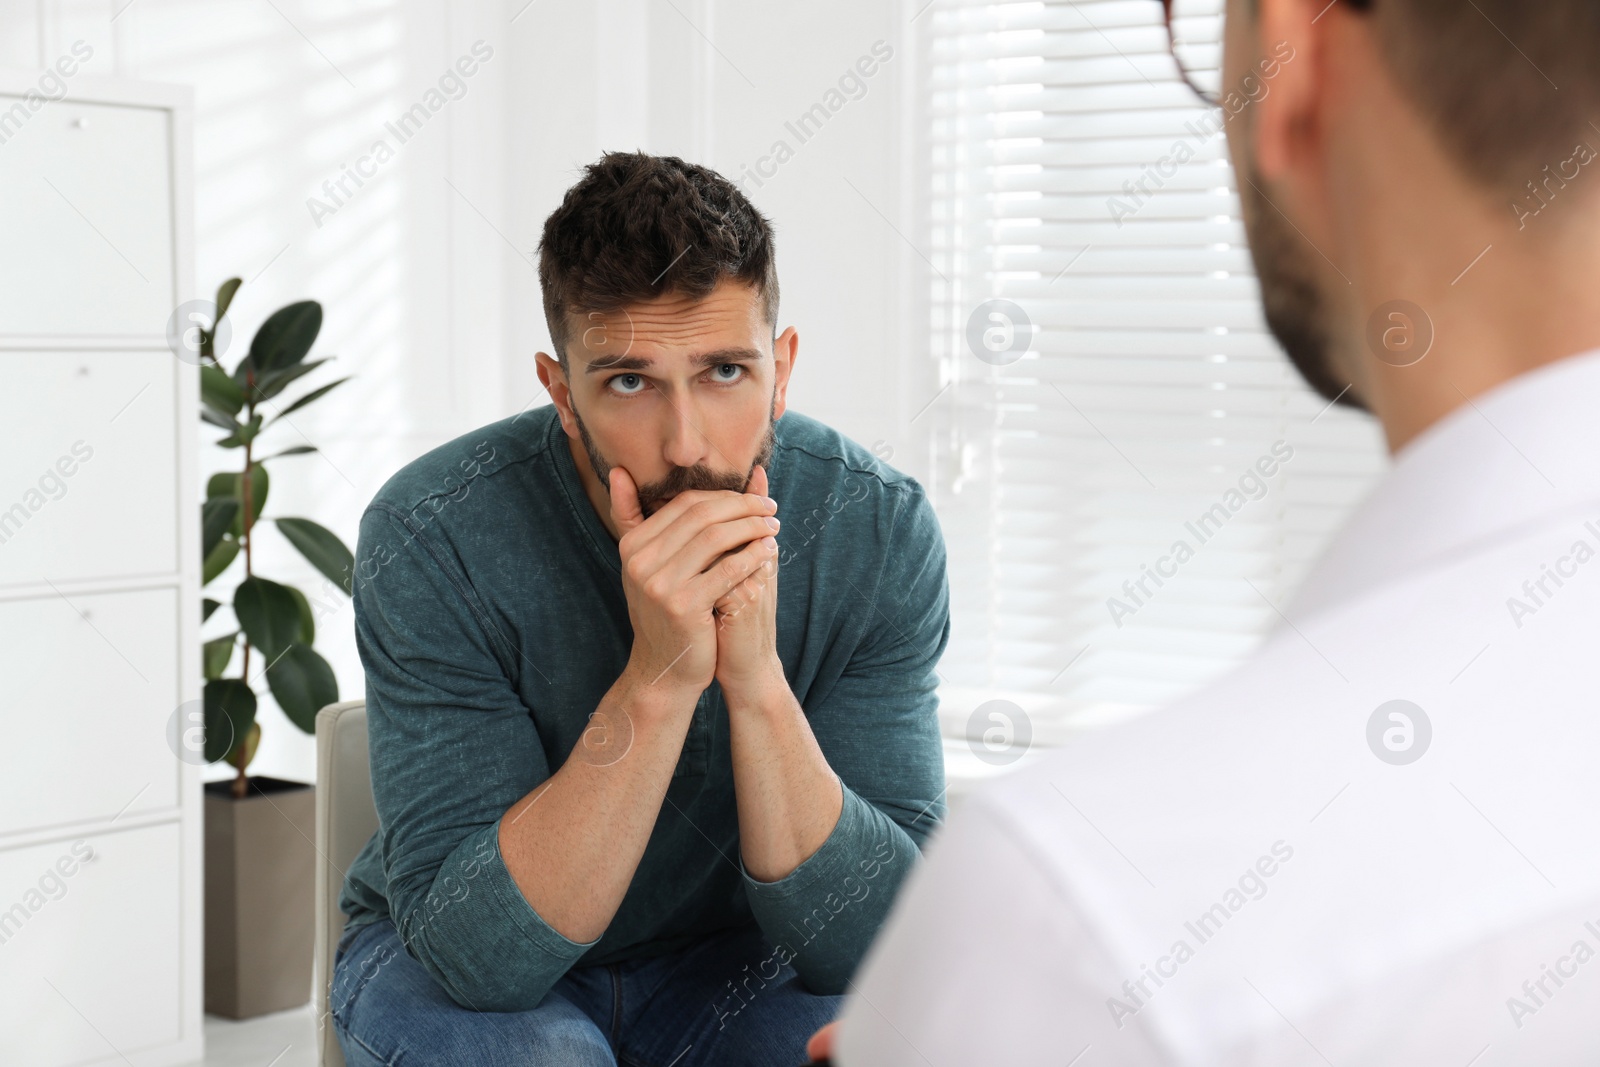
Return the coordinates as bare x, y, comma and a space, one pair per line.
1374, 843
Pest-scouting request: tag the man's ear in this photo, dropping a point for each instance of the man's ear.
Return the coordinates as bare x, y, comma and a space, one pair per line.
785, 350
555, 382
1283, 124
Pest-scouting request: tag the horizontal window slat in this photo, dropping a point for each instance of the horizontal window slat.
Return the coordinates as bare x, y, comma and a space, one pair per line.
1071, 173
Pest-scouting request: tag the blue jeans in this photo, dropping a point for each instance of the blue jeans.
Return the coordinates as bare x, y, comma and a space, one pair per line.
705, 1006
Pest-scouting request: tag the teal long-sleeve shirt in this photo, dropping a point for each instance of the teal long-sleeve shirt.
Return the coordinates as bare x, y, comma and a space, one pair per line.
490, 620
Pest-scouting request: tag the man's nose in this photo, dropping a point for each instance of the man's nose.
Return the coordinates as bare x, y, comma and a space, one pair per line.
686, 445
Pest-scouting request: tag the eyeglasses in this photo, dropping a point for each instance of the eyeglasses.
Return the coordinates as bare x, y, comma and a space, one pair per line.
1197, 50
1197, 53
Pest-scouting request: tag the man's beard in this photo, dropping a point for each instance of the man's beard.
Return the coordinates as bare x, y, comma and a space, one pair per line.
680, 479
1293, 304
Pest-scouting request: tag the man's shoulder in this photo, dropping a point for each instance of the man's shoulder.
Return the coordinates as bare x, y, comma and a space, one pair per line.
818, 459
1302, 699
1333, 791
844, 505
461, 467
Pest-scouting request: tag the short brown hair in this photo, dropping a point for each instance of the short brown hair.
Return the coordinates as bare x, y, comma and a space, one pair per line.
636, 226
1486, 74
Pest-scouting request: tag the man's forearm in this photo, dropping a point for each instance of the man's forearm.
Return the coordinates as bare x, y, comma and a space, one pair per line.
788, 797
572, 844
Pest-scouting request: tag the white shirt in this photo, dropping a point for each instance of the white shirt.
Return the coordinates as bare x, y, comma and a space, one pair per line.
1241, 880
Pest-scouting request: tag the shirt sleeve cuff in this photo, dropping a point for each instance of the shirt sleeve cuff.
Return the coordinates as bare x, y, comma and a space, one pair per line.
833, 859
504, 889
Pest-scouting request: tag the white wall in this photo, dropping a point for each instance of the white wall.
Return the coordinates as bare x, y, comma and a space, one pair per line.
426, 273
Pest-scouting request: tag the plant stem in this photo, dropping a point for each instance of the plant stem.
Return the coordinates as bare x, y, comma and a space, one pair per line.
241, 784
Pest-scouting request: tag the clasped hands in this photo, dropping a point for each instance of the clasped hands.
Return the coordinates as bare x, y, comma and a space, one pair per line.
701, 580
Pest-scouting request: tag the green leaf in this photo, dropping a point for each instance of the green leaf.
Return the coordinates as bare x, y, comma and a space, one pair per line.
297, 450
311, 397
218, 560
272, 383
225, 293
230, 712
218, 419
308, 618
283, 340
208, 607
245, 750
220, 391
269, 615
217, 654
303, 684
243, 433
216, 518
222, 483
322, 547
225, 485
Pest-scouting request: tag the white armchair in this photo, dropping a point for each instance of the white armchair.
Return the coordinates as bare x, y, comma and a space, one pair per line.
346, 818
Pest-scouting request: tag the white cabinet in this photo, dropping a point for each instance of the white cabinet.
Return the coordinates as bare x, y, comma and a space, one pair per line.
100, 818
88, 487
91, 950
89, 673
89, 235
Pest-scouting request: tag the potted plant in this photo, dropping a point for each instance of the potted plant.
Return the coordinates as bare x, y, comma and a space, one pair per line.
260, 860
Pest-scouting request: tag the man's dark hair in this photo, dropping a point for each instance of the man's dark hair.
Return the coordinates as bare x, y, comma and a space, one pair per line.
636, 226
1509, 86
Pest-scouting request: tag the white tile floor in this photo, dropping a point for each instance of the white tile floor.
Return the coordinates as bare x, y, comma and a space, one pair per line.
284, 1039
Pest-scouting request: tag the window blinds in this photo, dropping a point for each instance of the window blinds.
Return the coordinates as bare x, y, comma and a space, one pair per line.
1109, 389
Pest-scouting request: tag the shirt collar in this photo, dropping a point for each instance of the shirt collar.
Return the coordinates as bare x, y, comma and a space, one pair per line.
1522, 453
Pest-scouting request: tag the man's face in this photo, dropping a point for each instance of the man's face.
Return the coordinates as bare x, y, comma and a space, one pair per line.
680, 393
1293, 300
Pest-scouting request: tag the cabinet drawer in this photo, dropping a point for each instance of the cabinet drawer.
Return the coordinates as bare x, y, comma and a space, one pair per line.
86, 707
88, 245
88, 465
90, 949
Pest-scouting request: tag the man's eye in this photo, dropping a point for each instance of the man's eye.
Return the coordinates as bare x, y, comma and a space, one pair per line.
730, 366
628, 380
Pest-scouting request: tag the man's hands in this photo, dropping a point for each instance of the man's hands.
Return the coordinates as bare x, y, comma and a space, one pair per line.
679, 565
574, 842
747, 623
820, 1047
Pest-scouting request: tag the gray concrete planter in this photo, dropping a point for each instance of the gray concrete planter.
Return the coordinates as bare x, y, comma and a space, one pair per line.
260, 862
